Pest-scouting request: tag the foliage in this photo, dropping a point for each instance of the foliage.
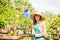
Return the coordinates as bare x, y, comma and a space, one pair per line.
11, 12
52, 22
25, 23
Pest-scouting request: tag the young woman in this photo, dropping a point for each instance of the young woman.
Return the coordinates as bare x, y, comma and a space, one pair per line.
38, 28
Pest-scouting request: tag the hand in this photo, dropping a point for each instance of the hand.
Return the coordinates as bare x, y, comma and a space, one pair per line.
38, 35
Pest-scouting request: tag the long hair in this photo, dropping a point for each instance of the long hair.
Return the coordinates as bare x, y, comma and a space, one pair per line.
35, 21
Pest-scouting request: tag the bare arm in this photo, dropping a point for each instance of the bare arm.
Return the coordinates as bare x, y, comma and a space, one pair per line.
32, 29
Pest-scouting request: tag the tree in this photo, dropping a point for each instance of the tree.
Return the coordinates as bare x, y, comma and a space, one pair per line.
9, 14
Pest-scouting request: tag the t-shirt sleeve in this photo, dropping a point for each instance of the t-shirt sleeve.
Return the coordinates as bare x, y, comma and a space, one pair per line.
43, 25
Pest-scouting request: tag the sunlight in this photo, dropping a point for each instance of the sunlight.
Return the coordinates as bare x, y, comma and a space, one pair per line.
46, 5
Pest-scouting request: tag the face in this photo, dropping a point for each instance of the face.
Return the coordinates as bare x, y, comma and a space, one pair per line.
37, 18
26, 7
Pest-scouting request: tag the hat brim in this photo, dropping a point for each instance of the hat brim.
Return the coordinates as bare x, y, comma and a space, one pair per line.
32, 16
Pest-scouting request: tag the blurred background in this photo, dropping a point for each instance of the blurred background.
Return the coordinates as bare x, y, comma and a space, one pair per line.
11, 17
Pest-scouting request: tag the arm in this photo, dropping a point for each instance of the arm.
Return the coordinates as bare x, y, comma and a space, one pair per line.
42, 30
32, 29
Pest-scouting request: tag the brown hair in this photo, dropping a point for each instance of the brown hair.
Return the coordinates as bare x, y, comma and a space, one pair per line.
41, 18
27, 5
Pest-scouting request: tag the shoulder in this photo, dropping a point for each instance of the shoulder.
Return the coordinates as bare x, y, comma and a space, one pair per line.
42, 24
32, 26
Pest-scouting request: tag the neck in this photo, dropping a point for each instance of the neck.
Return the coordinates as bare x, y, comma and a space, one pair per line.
38, 21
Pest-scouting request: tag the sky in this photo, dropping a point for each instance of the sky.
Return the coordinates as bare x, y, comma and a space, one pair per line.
46, 5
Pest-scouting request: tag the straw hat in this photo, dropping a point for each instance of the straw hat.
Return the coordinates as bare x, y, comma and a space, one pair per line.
37, 13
